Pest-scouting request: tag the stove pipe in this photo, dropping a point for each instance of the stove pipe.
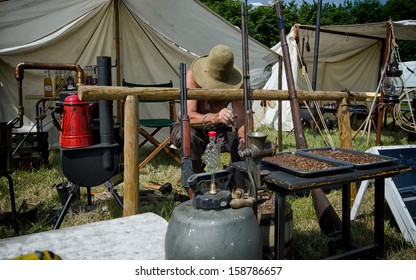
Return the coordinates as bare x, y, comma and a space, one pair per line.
105, 109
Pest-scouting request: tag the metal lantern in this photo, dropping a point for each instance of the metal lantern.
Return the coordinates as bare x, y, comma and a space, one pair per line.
393, 83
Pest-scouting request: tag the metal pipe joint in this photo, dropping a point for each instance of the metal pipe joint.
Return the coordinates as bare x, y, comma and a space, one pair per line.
19, 74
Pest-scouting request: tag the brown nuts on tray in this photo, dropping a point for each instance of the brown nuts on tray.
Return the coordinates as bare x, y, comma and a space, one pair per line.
299, 162
356, 158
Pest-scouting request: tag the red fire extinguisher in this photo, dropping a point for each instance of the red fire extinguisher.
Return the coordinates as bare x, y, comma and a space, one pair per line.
75, 127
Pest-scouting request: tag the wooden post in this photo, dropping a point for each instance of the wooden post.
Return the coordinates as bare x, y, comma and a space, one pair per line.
386, 60
131, 155
344, 124
345, 137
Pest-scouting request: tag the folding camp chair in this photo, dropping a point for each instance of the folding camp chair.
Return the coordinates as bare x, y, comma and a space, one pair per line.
156, 125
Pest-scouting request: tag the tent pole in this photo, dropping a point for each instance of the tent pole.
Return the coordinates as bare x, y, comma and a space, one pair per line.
117, 35
316, 50
120, 103
315, 58
280, 105
329, 221
381, 107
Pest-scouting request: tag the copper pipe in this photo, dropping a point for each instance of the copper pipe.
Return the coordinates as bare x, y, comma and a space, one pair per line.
19, 74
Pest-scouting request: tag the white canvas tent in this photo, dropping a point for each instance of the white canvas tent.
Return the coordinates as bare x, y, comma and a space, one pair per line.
409, 74
350, 57
147, 39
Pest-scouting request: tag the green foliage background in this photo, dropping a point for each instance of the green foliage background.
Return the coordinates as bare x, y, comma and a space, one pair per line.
262, 21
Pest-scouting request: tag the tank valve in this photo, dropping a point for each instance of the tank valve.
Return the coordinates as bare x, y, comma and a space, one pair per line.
241, 202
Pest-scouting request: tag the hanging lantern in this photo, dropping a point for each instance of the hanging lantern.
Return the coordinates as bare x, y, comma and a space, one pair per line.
393, 83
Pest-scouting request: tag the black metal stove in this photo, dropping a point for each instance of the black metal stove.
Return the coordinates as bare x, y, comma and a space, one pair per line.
93, 165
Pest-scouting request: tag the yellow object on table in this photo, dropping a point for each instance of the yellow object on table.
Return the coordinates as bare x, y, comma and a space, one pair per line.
38, 255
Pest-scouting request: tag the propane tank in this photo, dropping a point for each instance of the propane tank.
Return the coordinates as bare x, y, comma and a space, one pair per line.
75, 129
206, 227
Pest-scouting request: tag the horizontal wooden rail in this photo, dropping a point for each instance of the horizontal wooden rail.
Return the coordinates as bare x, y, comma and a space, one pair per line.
90, 93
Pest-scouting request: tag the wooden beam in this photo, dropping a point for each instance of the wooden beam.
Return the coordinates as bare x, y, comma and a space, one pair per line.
90, 93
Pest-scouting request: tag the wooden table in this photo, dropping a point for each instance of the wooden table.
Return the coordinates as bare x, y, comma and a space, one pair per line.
284, 183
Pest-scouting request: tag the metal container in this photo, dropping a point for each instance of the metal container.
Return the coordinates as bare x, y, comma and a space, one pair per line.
221, 234
76, 123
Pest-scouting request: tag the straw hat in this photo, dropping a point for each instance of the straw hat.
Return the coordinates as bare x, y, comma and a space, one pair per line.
217, 70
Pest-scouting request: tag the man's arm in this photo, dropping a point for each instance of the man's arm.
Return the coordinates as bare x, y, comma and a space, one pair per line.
196, 119
201, 120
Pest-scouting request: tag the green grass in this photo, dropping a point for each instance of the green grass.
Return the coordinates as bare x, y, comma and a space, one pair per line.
35, 190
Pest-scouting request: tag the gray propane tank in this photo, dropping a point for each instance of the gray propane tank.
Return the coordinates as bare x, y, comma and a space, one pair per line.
206, 227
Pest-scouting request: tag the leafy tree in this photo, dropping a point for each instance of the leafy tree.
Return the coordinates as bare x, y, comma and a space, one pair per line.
367, 11
228, 9
262, 21
330, 14
399, 10
263, 24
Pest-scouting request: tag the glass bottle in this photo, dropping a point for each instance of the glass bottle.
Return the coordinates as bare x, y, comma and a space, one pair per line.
88, 75
47, 84
62, 84
70, 83
57, 81
212, 153
94, 75
212, 159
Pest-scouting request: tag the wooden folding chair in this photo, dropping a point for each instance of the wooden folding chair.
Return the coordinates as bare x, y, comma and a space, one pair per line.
156, 124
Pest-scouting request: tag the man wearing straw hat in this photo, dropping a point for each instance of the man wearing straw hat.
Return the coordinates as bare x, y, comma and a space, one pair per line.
215, 70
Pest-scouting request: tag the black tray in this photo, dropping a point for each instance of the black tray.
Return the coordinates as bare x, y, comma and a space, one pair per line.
379, 160
336, 167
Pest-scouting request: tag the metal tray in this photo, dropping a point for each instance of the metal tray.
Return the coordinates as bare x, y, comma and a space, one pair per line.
379, 160
335, 167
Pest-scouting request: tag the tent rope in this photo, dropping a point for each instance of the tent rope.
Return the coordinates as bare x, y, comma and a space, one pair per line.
407, 124
393, 51
327, 135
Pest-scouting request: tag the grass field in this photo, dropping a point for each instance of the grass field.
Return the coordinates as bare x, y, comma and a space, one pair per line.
35, 192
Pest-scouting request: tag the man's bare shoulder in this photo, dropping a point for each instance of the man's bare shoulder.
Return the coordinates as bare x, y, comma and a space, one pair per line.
190, 81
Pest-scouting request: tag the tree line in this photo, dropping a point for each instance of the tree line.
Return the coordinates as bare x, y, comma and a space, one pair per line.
262, 21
